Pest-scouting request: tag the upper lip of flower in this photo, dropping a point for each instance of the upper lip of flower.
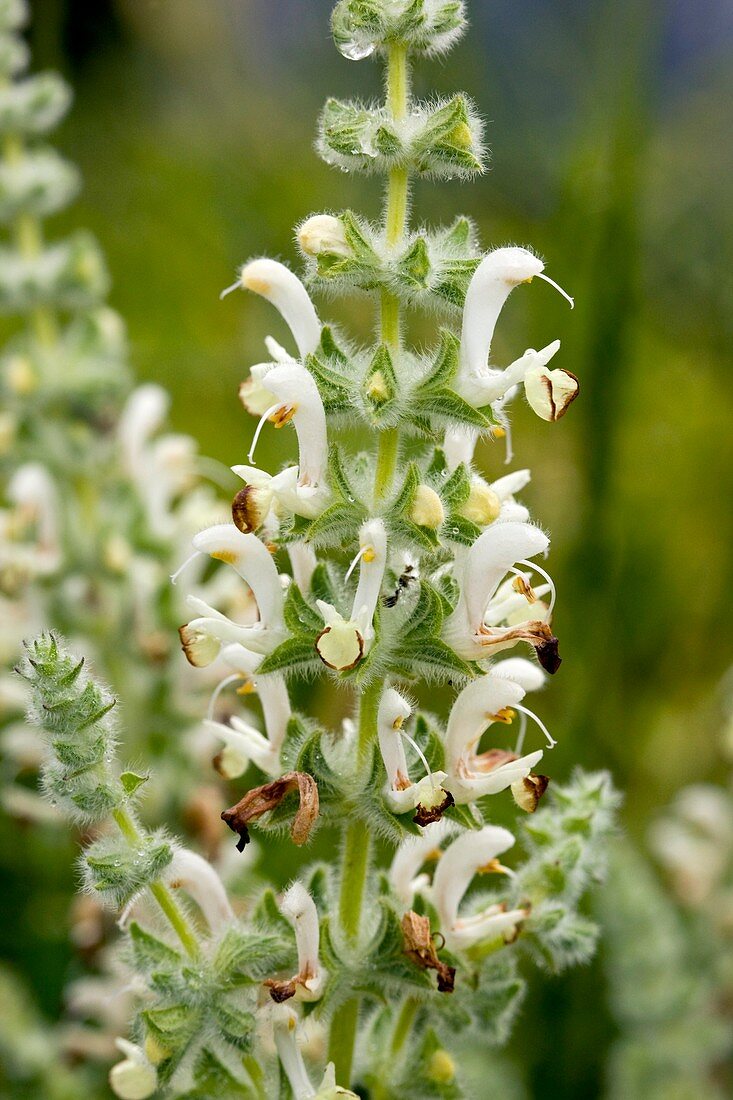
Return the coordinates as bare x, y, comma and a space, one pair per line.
252, 561
284, 289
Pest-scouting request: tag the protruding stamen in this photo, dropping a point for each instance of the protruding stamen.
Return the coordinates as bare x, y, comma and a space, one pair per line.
420, 753
521, 735
221, 686
531, 714
265, 416
558, 288
355, 562
187, 562
553, 592
229, 289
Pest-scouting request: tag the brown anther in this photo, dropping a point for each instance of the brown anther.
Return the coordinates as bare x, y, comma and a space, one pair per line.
425, 815
417, 944
402, 782
267, 797
505, 715
522, 585
527, 792
283, 415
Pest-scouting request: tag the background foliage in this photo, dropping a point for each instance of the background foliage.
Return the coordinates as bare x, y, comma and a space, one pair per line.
193, 128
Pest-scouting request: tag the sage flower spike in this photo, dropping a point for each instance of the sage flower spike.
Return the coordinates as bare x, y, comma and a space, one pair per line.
343, 642
279, 285
400, 793
194, 874
474, 852
472, 774
471, 630
497, 275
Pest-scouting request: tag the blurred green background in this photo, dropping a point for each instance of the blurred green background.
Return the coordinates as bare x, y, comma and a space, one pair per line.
610, 129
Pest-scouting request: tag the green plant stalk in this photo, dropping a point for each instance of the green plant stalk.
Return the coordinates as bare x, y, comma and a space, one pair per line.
404, 1022
395, 221
357, 838
29, 242
160, 892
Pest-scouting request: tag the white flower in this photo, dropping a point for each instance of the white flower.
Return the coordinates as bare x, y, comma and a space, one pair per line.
505, 489
135, 1078
285, 1031
472, 853
302, 490
550, 392
344, 642
299, 909
471, 774
495, 278
400, 793
303, 562
143, 415
203, 636
404, 873
473, 629
244, 742
279, 285
323, 234
34, 496
194, 874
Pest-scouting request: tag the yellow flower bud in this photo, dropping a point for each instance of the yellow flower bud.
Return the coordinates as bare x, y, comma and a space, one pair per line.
154, 1051
483, 505
427, 508
441, 1067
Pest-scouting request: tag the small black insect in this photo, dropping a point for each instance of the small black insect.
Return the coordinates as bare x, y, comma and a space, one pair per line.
404, 582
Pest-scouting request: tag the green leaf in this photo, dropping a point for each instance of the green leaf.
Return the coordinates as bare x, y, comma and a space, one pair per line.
459, 529
433, 655
293, 655
329, 347
149, 952
336, 525
427, 617
415, 266
457, 488
446, 362
340, 483
299, 615
131, 782
446, 407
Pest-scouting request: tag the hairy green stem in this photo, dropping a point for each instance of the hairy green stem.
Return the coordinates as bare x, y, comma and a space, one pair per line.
357, 839
160, 892
395, 222
404, 1023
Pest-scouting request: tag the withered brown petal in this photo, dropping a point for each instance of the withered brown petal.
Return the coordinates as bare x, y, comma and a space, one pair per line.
281, 990
527, 792
425, 815
548, 655
419, 947
244, 510
261, 799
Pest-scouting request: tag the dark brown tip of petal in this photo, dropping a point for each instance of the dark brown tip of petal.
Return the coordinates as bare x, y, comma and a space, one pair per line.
418, 945
267, 797
548, 655
425, 816
281, 991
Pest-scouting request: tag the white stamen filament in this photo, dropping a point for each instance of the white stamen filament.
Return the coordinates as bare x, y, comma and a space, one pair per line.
558, 288
187, 562
520, 736
265, 416
355, 562
531, 714
553, 592
229, 289
221, 686
420, 753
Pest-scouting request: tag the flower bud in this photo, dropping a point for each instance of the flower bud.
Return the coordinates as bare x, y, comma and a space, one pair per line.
323, 234
427, 508
134, 1078
441, 1068
482, 506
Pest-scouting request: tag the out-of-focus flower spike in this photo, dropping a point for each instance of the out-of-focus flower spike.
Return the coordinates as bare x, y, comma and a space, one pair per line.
279, 285
194, 874
143, 415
